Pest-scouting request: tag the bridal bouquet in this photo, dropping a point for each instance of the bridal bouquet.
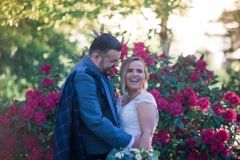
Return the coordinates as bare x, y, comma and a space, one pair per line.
132, 154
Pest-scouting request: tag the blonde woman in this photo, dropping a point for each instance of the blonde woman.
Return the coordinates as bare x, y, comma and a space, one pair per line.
137, 109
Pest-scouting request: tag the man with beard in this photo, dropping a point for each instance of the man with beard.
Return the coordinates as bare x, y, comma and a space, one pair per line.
88, 103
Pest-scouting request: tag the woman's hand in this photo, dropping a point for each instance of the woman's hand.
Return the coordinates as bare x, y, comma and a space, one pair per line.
136, 142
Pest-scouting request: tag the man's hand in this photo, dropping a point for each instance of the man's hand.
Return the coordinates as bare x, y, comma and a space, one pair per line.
136, 142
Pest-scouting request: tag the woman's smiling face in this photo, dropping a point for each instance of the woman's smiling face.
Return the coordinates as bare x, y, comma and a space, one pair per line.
135, 76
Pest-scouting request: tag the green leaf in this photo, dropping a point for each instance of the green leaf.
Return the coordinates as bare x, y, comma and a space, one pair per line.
29, 126
17, 117
202, 57
92, 35
168, 117
210, 156
156, 153
171, 126
198, 138
180, 125
223, 157
34, 129
180, 85
214, 82
150, 69
204, 146
173, 150
164, 150
195, 131
175, 120
47, 126
95, 33
162, 114
122, 41
49, 122
216, 89
216, 121
165, 124
206, 126
102, 28
160, 124
23, 124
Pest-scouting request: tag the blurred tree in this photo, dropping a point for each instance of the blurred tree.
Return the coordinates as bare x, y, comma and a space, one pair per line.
232, 47
28, 38
162, 9
25, 46
36, 32
90, 12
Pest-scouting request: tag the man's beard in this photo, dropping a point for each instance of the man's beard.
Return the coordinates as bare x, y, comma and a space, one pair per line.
102, 69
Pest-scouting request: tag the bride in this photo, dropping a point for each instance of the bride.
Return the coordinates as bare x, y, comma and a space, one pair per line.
137, 109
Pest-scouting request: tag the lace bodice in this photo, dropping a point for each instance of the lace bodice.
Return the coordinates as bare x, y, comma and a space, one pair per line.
127, 115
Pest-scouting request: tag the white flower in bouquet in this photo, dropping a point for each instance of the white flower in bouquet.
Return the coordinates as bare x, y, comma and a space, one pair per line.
132, 154
119, 155
138, 157
135, 150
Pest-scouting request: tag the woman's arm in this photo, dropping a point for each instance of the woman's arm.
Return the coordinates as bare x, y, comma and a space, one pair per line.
147, 119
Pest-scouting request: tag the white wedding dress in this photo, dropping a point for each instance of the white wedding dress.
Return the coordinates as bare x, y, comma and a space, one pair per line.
127, 115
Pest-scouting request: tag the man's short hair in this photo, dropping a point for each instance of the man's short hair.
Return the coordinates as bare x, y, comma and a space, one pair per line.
103, 43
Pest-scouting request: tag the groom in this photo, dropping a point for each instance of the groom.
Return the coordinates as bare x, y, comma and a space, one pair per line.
95, 96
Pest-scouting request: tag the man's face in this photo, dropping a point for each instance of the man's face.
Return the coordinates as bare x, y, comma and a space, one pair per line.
108, 62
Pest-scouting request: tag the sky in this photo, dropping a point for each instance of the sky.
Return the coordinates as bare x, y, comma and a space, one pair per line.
190, 30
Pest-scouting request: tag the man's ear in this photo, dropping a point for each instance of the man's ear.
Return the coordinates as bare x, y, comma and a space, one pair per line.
96, 58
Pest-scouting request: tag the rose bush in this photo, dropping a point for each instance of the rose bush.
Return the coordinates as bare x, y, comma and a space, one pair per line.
27, 127
196, 121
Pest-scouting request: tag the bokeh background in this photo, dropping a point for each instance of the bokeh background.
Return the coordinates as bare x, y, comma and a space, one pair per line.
35, 32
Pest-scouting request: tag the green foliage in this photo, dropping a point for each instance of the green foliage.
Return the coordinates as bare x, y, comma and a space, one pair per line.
232, 65
33, 30
25, 46
233, 83
175, 130
32, 121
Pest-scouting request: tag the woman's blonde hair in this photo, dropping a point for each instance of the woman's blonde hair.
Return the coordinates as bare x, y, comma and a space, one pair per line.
123, 72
